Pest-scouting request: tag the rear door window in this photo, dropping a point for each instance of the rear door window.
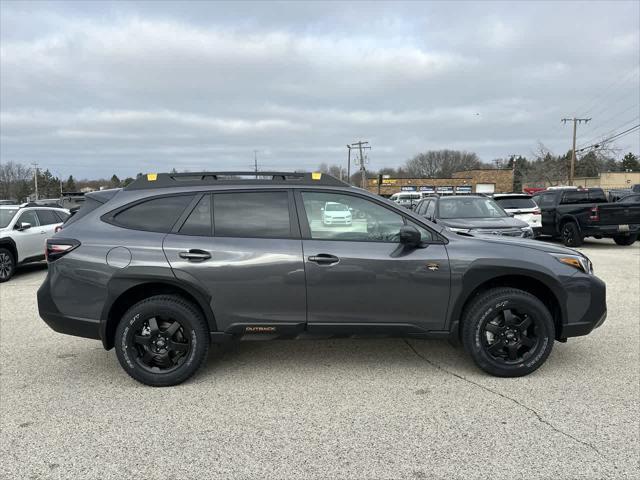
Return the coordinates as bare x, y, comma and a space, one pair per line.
48, 217
155, 215
199, 220
251, 215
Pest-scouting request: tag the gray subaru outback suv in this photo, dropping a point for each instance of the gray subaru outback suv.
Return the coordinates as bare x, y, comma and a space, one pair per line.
174, 262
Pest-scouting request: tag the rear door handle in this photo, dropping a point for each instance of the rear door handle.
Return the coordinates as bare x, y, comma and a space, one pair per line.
324, 259
195, 255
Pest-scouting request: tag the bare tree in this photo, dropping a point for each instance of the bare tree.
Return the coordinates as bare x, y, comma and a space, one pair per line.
15, 181
442, 163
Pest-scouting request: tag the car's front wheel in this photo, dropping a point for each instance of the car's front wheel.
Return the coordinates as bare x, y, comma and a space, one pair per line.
7, 265
508, 332
571, 235
162, 340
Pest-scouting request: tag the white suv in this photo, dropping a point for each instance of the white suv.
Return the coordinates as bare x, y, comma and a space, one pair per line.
23, 231
522, 207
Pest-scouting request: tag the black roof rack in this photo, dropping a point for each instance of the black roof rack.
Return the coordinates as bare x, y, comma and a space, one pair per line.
166, 180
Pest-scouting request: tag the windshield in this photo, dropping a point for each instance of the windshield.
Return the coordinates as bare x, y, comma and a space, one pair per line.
6, 215
336, 207
516, 202
464, 207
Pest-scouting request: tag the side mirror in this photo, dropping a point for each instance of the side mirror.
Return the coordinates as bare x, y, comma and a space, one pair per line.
24, 226
410, 236
511, 214
322, 209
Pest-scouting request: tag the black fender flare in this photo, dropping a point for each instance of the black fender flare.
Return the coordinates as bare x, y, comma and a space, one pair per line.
137, 277
484, 272
561, 220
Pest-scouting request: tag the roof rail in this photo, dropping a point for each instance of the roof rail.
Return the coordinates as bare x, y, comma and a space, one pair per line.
166, 180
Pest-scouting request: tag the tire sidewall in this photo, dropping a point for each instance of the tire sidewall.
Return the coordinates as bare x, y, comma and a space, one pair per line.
13, 264
192, 324
491, 307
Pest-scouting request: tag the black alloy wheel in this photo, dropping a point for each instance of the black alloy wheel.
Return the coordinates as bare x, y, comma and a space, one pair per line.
162, 344
507, 331
571, 235
7, 265
162, 340
510, 336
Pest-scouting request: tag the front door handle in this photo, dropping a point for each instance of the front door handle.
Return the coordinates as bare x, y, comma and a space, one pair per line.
195, 255
324, 259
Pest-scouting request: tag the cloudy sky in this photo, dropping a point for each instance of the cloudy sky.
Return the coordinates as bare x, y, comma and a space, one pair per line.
94, 88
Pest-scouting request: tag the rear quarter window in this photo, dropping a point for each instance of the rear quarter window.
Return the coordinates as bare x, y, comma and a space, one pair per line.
575, 197
155, 215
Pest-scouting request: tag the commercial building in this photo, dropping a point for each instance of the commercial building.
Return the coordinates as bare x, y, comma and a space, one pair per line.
468, 181
607, 181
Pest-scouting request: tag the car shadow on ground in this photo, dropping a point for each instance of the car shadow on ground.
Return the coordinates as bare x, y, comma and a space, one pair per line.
28, 269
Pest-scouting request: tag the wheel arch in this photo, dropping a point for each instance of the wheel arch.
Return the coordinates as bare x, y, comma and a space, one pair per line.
545, 288
10, 245
125, 292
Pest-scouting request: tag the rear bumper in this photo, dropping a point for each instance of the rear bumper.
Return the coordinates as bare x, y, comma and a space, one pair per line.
79, 327
610, 230
594, 316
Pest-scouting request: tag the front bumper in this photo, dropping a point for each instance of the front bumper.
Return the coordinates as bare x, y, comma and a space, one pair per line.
594, 315
79, 327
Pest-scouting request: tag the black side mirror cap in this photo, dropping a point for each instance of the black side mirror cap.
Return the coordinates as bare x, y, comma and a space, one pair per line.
410, 236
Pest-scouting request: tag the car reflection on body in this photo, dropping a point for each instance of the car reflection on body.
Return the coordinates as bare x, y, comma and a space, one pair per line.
335, 213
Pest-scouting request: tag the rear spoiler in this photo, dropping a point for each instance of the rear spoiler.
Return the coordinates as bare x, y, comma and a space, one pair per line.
103, 196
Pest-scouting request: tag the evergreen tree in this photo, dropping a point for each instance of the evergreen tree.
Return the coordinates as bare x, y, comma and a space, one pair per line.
630, 163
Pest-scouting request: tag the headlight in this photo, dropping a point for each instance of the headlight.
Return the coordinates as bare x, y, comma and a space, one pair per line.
576, 261
461, 230
527, 232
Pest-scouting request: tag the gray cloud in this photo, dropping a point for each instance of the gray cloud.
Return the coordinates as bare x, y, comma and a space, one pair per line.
97, 88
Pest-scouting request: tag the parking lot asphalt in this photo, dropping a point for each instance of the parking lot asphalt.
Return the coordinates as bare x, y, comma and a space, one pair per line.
383, 408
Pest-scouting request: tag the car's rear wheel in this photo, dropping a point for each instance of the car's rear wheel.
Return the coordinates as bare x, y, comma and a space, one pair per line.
508, 332
162, 340
7, 265
571, 235
625, 240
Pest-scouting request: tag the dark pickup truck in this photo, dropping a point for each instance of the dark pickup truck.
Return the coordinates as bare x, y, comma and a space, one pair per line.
575, 214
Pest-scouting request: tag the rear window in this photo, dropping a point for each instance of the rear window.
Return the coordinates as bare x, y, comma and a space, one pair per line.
47, 217
251, 215
575, 196
156, 215
597, 196
516, 202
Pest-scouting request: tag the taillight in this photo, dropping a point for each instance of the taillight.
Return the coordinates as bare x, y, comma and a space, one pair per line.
537, 212
59, 247
595, 214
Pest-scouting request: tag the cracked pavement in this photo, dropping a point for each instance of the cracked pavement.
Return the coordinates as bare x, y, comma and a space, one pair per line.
380, 408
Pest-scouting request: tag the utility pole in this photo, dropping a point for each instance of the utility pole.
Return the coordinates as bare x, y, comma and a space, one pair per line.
575, 121
35, 177
349, 165
255, 162
363, 172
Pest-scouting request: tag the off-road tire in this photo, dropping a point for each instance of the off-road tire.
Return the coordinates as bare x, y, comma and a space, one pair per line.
491, 304
193, 326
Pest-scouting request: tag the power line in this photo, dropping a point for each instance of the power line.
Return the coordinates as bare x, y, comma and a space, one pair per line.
614, 137
609, 132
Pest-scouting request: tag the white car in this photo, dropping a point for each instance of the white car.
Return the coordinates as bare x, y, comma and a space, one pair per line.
408, 199
335, 213
23, 231
522, 207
